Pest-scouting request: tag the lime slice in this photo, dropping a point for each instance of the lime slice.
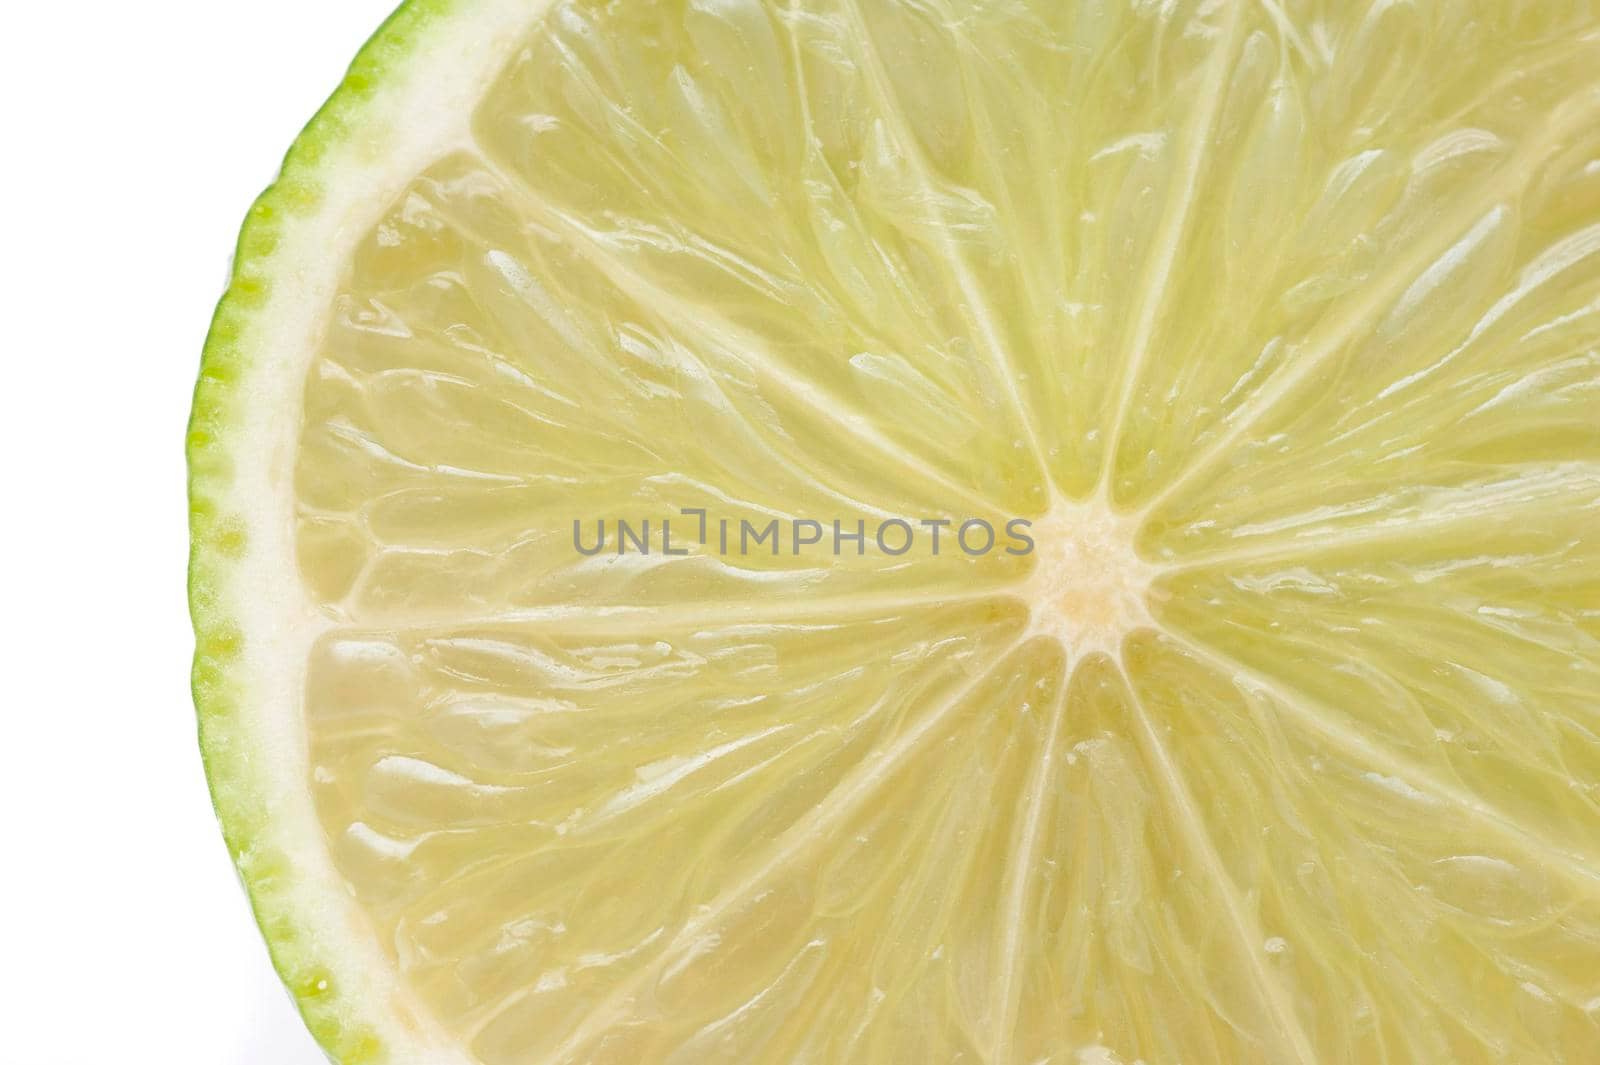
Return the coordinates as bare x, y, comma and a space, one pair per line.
1261, 726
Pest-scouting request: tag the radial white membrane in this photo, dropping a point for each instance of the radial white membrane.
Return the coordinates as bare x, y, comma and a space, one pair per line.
651, 797
858, 347
1182, 282
1456, 665
1409, 917
474, 402
1361, 253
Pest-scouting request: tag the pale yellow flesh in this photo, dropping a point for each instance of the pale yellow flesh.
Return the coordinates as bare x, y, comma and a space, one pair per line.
1280, 320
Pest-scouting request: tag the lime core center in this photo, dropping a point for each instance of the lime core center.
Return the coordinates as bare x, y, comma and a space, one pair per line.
1089, 588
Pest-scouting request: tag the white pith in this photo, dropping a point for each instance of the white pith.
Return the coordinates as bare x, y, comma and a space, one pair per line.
421, 112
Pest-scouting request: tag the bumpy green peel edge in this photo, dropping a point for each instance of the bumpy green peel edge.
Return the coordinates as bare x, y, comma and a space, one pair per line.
218, 537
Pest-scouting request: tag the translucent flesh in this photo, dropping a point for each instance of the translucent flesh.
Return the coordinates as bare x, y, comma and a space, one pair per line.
1299, 300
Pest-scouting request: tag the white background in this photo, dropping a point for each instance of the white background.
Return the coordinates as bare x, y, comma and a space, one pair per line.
134, 136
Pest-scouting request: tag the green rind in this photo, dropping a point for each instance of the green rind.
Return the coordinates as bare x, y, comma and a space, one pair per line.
218, 536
